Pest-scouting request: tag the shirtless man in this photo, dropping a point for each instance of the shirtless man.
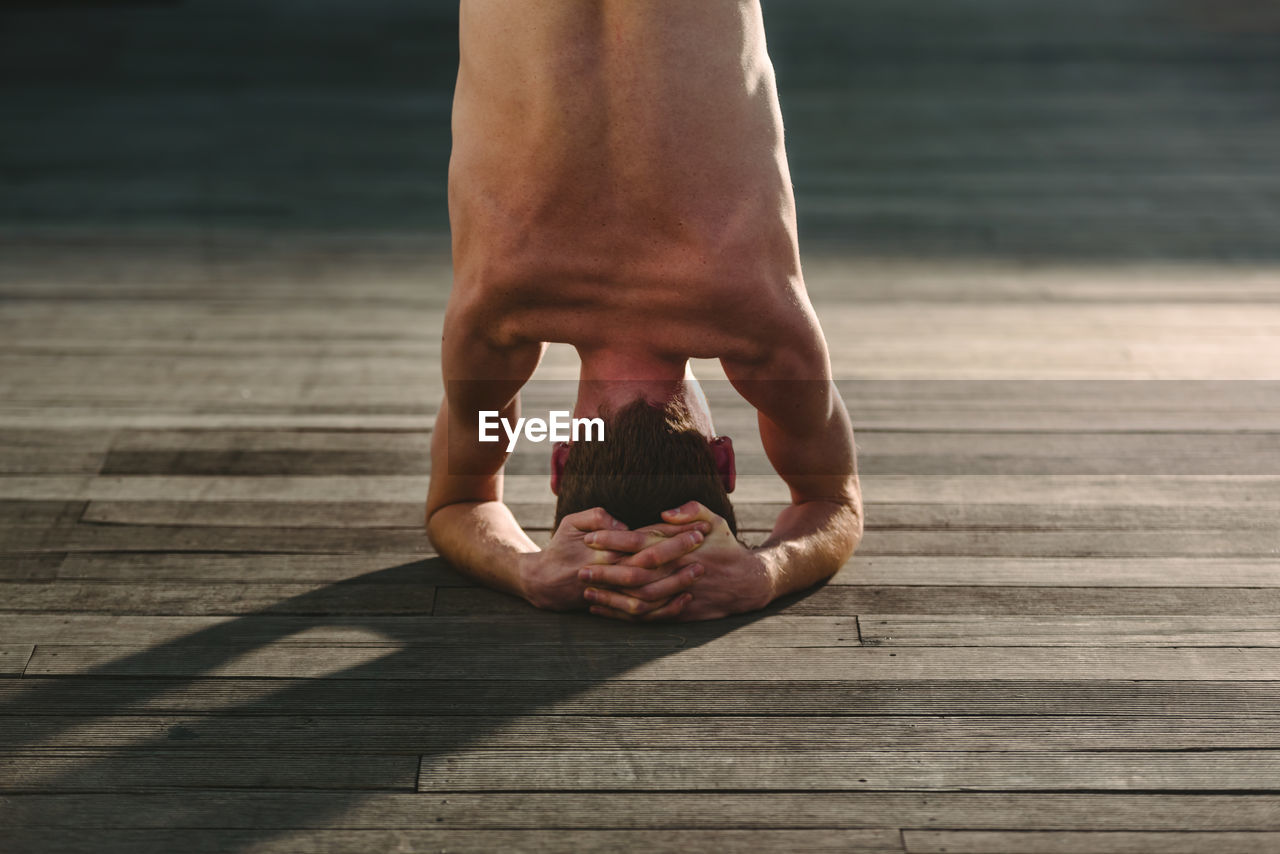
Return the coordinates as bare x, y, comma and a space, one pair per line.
618, 183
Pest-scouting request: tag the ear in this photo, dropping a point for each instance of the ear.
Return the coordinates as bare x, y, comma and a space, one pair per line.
722, 451
559, 456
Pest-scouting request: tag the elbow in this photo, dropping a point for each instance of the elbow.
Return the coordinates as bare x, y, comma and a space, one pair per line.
851, 524
434, 521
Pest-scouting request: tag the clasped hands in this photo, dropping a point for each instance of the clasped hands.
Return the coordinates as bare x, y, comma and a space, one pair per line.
688, 567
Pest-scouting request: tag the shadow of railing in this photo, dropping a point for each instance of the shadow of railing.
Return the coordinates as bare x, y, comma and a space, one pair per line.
464, 692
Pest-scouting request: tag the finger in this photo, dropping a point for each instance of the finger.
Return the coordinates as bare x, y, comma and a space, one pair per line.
640, 582
621, 541
666, 551
621, 574
595, 519
670, 586
690, 511
639, 539
621, 602
671, 530
602, 611
605, 558
670, 611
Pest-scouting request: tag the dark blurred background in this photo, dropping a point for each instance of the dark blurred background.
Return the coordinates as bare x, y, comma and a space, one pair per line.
1026, 129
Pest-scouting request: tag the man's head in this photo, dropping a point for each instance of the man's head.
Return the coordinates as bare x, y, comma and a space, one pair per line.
654, 457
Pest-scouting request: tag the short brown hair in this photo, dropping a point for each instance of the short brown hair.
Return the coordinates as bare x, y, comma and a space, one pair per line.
652, 459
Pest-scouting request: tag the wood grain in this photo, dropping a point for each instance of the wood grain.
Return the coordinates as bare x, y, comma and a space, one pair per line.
229, 598
878, 841
395, 661
1104, 842
266, 730
611, 768
570, 630
1098, 700
14, 658
1119, 810
1003, 600
907, 630
144, 770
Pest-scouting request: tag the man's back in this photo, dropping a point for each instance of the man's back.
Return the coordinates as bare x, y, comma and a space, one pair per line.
615, 160
618, 183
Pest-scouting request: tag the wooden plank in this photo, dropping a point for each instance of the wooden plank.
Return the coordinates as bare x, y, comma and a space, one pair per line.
35, 526
30, 567
228, 598
90, 537
14, 658
879, 841
974, 416
751, 517
837, 600
1019, 342
385, 733
1058, 490
473, 769
24, 460
1087, 544
257, 568
108, 695
1103, 842
1054, 490
828, 271
36, 513
1082, 449
951, 571
960, 664
32, 539
271, 514
1054, 391
567, 629
159, 488
746, 810
1073, 601
215, 385
54, 439
293, 418
1054, 518
276, 462
142, 770
1053, 453
257, 441
963, 630
1129, 543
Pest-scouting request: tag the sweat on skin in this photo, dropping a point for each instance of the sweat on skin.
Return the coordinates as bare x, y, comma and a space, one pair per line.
557, 427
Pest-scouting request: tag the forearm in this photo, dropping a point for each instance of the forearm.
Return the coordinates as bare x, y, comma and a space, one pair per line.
809, 542
483, 540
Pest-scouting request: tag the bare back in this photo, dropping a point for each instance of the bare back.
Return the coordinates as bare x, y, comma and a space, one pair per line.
615, 161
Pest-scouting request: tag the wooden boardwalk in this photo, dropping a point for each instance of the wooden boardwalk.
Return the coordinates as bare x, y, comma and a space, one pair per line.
1045, 247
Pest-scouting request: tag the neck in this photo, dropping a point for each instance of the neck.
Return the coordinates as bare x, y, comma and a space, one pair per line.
612, 378
615, 379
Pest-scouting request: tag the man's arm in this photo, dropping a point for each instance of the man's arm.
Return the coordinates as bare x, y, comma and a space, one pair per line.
466, 520
813, 537
808, 438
